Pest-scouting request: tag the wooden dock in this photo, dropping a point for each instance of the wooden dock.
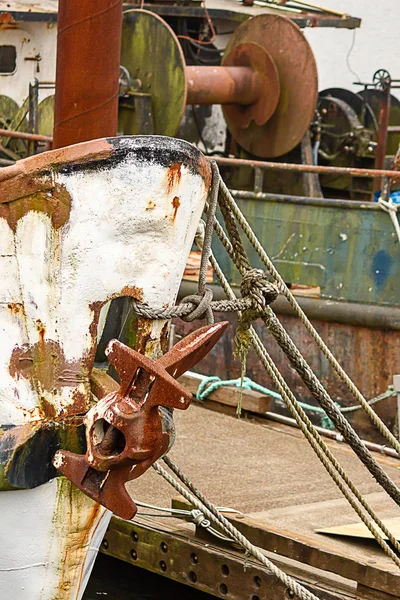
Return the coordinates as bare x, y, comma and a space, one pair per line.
269, 473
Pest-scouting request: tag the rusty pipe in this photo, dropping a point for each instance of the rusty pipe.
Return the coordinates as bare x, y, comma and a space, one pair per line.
21, 135
277, 166
87, 74
384, 113
223, 85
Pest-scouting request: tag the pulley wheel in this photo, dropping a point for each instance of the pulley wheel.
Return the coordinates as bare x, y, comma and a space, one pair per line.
12, 118
298, 80
46, 116
356, 102
151, 52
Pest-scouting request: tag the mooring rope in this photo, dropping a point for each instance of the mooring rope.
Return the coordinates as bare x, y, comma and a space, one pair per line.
238, 255
382, 428
328, 460
259, 292
210, 384
198, 500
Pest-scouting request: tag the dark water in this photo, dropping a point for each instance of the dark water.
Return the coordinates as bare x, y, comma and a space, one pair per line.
114, 579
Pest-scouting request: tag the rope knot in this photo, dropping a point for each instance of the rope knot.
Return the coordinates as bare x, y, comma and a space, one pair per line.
199, 519
202, 307
256, 286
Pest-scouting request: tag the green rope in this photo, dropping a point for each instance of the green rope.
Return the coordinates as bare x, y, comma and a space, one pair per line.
210, 384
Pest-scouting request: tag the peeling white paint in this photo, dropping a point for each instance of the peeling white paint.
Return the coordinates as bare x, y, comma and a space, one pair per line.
49, 280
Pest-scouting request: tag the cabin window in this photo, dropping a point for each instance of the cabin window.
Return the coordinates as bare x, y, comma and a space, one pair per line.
8, 59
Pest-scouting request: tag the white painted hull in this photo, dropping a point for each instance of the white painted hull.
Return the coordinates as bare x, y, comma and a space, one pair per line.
118, 219
51, 536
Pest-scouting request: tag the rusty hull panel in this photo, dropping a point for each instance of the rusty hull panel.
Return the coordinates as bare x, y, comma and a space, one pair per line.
370, 357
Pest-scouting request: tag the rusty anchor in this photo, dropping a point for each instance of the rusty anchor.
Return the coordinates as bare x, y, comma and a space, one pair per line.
125, 430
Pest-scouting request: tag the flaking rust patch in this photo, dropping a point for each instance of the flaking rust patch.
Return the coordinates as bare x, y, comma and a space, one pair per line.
204, 169
133, 292
150, 205
54, 202
44, 365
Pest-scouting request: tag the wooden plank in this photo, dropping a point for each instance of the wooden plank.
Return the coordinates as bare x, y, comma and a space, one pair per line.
102, 384
365, 593
317, 553
222, 572
229, 395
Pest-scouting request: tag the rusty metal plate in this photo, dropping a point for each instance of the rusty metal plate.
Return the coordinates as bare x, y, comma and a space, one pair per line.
151, 52
298, 78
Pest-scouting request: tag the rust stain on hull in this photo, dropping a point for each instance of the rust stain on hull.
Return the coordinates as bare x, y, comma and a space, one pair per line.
173, 175
175, 205
82, 523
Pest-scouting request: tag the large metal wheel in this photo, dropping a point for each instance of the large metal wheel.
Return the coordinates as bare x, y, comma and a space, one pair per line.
298, 79
151, 52
12, 117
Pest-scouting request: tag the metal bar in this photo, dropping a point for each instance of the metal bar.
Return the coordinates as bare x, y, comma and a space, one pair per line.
333, 435
21, 135
11, 155
396, 385
373, 316
312, 184
87, 74
384, 111
222, 85
327, 202
33, 114
304, 20
277, 166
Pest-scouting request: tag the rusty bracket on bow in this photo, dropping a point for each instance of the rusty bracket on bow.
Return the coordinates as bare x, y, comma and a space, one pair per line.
124, 430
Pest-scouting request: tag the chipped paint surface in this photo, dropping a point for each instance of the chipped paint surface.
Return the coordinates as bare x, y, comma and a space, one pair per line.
61, 276
58, 271
62, 532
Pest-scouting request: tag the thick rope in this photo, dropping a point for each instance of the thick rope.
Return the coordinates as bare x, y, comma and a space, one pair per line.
208, 230
210, 511
321, 395
298, 310
306, 373
190, 304
326, 457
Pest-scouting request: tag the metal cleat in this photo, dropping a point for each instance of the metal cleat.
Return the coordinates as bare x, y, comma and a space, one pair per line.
124, 431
